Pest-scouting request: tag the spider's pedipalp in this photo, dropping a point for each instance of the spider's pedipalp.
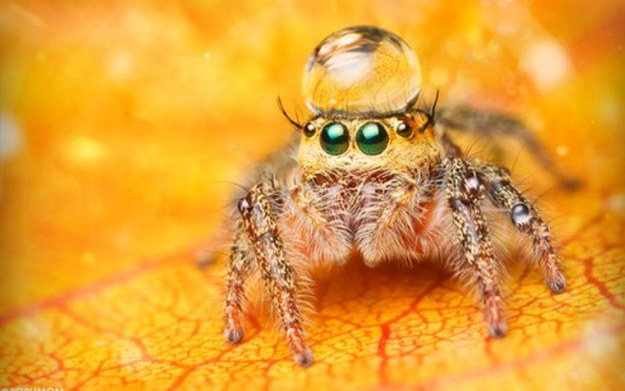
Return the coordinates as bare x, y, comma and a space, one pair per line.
474, 237
525, 218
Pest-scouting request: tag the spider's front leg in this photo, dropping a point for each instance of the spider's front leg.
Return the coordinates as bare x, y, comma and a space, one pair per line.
239, 266
526, 219
463, 191
260, 226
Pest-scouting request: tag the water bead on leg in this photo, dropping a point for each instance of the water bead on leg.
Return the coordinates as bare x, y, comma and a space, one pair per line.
520, 214
359, 71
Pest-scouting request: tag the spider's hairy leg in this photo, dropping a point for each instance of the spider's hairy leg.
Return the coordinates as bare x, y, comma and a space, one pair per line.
463, 191
527, 220
489, 124
239, 266
260, 225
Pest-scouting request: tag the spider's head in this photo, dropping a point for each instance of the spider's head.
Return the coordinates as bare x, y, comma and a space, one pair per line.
399, 142
362, 84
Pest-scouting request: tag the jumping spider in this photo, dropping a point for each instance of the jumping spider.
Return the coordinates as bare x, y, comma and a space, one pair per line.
372, 172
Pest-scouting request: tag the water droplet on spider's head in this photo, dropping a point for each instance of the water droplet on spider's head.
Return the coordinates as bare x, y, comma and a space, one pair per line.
361, 70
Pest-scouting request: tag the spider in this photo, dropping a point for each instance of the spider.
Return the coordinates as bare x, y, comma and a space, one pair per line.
374, 172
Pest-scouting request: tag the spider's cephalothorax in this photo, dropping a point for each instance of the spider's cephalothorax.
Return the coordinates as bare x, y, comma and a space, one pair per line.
371, 173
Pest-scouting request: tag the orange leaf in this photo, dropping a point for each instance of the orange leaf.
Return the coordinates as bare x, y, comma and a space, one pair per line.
122, 121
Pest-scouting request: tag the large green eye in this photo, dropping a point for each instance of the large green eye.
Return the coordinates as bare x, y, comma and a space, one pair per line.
334, 138
372, 138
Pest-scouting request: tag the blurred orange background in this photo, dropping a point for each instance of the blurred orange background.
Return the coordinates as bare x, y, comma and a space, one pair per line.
124, 124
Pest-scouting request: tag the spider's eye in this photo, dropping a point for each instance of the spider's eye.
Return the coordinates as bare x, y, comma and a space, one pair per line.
404, 129
334, 138
372, 138
309, 129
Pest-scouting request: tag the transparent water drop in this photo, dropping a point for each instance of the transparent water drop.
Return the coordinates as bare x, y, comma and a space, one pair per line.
520, 214
361, 70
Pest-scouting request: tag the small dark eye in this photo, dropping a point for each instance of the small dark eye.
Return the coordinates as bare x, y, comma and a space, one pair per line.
309, 129
372, 138
404, 129
334, 138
